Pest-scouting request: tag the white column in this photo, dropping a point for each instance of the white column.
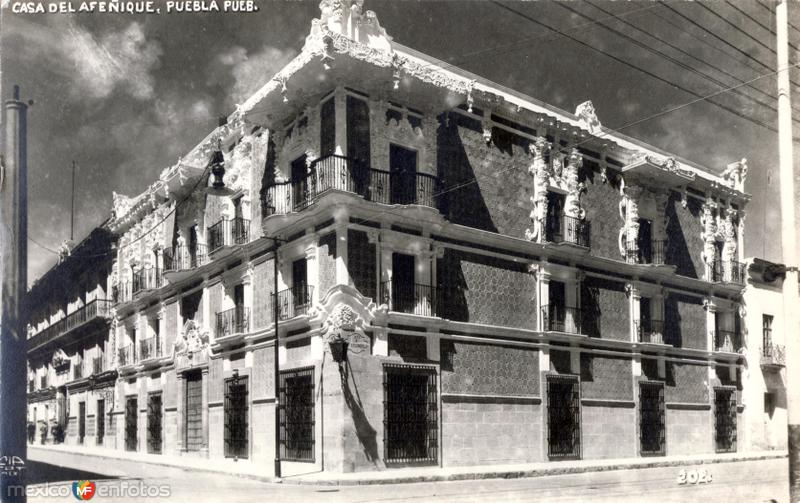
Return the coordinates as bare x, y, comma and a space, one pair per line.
342, 274
711, 323
543, 284
247, 287
162, 328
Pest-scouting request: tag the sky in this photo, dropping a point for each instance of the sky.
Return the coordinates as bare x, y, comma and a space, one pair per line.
125, 95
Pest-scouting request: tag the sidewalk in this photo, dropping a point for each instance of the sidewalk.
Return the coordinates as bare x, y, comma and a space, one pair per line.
255, 471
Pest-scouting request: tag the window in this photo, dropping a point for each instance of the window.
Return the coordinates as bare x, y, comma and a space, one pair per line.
236, 412
402, 175
403, 295
555, 212
410, 414
725, 419
81, 421
154, 423
563, 417
652, 424
358, 147
193, 412
645, 241
767, 331
299, 180
190, 305
131, 427
296, 395
327, 128
100, 430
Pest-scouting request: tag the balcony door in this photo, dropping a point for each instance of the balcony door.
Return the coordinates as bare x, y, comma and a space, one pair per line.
402, 175
193, 412
240, 317
403, 282
300, 297
555, 316
645, 241
555, 214
299, 179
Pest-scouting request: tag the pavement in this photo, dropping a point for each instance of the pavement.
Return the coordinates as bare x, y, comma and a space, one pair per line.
757, 479
244, 468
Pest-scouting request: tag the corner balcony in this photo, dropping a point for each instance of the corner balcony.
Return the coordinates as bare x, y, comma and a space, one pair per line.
228, 233
569, 230
126, 355
568, 320
416, 299
181, 261
727, 271
650, 331
233, 321
727, 341
654, 254
773, 356
149, 349
293, 302
336, 173
91, 316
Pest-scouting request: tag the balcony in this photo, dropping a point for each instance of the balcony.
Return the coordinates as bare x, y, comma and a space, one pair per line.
127, 355
727, 341
655, 254
557, 318
294, 302
337, 173
183, 258
147, 278
571, 231
773, 356
77, 322
650, 331
409, 298
228, 233
727, 271
233, 321
149, 348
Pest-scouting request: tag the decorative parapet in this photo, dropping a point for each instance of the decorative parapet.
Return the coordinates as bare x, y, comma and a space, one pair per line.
588, 118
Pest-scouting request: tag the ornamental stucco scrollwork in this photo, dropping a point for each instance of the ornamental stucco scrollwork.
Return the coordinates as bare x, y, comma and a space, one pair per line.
629, 213
730, 243
587, 117
708, 220
541, 180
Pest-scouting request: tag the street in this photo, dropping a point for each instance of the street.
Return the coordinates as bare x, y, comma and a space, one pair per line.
51, 475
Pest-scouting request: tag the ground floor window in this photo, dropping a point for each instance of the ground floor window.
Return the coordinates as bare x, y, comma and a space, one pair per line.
725, 419
131, 427
236, 408
297, 414
100, 428
563, 417
193, 412
81, 421
410, 414
652, 423
154, 423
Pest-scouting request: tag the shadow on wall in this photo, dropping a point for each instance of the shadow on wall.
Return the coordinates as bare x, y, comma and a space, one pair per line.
672, 322
364, 431
678, 250
464, 205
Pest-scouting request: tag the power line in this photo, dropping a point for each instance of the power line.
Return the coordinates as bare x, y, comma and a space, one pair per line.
759, 2
668, 57
644, 71
735, 26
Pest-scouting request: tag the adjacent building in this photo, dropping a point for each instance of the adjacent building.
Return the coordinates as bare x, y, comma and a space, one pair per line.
465, 276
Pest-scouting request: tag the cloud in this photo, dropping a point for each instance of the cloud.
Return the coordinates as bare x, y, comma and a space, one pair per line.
96, 65
250, 71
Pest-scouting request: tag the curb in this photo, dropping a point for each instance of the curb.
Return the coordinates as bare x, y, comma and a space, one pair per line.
442, 477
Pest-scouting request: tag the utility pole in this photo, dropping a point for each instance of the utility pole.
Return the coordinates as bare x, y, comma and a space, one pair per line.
789, 248
72, 208
14, 277
276, 353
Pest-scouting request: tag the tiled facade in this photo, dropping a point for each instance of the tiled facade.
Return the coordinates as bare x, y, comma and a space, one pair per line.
465, 276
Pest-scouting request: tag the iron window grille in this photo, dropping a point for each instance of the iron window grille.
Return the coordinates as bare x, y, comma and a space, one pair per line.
725, 418
81, 421
131, 427
154, 423
410, 414
296, 409
100, 430
652, 419
193, 423
236, 412
563, 417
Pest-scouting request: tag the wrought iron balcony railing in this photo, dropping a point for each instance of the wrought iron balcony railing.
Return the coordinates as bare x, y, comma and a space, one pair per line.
233, 321
650, 331
97, 365
127, 355
412, 298
293, 302
343, 174
569, 230
146, 278
727, 341
228, 233
100, 308
557, 318
149, 348
726, 271
183, 258
655, 253
773, 355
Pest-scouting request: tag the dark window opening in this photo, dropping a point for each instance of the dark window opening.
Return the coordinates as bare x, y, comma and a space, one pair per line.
236, 411
358, 147
725, 419
652, 419
299, 179
100, 428
555, 217
327, 128
645, 241
563, 417
300, 294
154, 423
403, 283
297, 414
190, 306
402, 175
81, 421
193, 407
131, 426
411, 422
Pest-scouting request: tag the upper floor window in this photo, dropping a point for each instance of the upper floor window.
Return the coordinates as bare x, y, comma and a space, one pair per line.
767, 330
327, 132
190, 305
